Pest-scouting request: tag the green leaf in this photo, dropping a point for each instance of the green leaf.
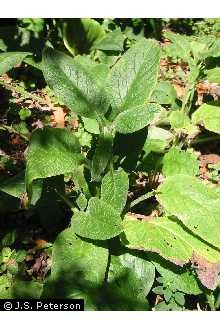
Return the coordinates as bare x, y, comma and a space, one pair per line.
102, 154
114, 189
179, 298
213, 75
9, 60
15, 186
78, 269
27, 289
177, 161
177, 278
91, 125
180, 46
166, 237
52, 151
136, 118
158, 139
169, 239
158, 290
5, 287
80, 34
129, 281
75, 85
167, 295
197, 205
112, 41
164, 93
209, 116
100, 221
133, 77
180, 122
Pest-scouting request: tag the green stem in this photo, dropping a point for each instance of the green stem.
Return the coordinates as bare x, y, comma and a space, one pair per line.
142, 198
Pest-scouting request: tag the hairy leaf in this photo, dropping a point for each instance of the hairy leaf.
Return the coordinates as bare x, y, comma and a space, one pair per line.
136, 118
52, 151
197, 205
209, 116
213, 75
10, 59
177, 161
134, 76
129, 281
168, 238
78, 87
100, 221
114, 189
78, 269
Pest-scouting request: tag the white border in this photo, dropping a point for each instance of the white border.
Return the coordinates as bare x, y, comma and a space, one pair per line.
110, 320
110, 8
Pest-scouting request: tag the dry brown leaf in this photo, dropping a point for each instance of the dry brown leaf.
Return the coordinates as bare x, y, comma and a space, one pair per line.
59, 117
207, 272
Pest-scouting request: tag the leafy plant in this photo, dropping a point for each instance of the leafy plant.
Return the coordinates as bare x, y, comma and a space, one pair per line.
125, 171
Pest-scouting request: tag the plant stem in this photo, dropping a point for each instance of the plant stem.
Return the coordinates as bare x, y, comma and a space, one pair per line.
142, 198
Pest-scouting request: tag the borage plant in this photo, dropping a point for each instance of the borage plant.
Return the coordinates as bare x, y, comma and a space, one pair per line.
109, 252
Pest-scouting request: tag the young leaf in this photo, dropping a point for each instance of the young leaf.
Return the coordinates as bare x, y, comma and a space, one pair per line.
129, 281
180, 122
136, 118
179, 298
177, 161
78, 87
177, 278
80, 34
9, 60
197, 205
168, 238
52, 151
114, 189
78, 269
164, 93
134, 76
100, 221
209, 116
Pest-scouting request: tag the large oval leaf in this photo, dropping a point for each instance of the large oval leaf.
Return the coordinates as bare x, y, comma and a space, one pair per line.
136, 118
168, 238
78, 269
197, 205
134, 76
78, 87
9, 60
209, 116
129, 281
177, 161
52, 151
100, 222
